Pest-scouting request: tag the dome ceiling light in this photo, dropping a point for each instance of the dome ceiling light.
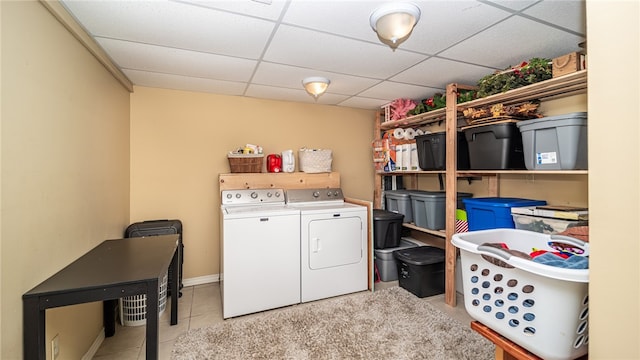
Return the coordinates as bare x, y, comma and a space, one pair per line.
316, 85
393, 22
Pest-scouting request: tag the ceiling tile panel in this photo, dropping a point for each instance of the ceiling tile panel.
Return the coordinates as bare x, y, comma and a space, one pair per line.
176, 82
444, 23
345, 18
436, 72
305, 48
298, 95
570, 14
512, 4
513, 41
393, 90
153, 58
291, 77
364, 103
244, 7
175, 25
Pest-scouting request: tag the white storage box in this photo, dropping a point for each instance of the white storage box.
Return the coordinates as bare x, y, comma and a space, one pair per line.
545, 225
543, 308
133, 309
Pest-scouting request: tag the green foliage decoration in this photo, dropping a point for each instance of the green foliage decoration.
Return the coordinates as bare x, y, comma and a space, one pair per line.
536, 70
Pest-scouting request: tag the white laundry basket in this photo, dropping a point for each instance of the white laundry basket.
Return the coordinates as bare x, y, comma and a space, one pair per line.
133, 309
542, 308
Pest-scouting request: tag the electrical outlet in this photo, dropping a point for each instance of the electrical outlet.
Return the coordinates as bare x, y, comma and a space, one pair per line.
55, 347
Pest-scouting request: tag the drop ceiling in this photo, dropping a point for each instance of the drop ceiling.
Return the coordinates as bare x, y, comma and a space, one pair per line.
264, 48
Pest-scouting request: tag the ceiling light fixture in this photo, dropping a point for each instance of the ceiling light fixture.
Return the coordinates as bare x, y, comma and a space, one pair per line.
393, 22
316, 85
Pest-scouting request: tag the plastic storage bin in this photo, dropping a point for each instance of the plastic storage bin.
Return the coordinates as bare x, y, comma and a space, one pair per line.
421, 270
495, 146
555, 142
399, 201
432, 151
386, 261
542, 308
545, 225
494, 212
387, 229
133, 309
429, 208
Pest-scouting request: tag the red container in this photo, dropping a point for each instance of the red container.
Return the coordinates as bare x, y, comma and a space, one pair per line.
274, 163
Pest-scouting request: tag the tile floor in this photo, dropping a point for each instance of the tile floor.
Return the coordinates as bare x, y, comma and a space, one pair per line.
200, 306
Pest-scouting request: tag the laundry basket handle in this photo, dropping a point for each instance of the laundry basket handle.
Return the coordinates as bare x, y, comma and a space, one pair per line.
495, 251
569, 239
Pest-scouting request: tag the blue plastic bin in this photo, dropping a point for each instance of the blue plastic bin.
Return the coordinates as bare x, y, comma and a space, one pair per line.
494, 212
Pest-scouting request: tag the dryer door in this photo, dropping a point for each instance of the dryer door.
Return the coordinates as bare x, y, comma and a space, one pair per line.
334, 242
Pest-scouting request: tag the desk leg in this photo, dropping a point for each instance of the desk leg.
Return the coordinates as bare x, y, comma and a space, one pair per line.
33, 330
152, 320
175, 287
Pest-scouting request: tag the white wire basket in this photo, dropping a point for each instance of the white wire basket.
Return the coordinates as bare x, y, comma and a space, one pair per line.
133, 309
543, 308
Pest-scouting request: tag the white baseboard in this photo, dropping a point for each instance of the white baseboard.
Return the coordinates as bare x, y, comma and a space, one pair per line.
200, 280
95, 346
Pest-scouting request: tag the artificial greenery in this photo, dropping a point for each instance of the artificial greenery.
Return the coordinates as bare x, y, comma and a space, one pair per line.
439, 101
537, 69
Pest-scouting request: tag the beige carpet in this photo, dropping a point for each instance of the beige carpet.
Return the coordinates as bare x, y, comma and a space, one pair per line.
387, 324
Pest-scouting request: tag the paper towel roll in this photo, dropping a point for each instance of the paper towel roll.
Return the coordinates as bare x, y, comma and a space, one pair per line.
399, 157
413, 162
419, 132
398, 133
406, 157
409, 134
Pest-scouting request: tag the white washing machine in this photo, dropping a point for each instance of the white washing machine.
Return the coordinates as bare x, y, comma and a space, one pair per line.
260, 251
333, 243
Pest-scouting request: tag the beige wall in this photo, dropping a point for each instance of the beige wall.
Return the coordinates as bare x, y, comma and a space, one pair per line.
614, 178
65, 168
179, 142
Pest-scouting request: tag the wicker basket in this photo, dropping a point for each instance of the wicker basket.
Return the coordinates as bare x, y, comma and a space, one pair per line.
250, 163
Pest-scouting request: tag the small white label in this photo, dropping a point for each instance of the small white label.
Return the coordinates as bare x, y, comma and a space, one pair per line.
546, 158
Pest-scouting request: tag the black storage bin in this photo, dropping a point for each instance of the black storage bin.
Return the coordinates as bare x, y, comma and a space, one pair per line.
387, 229
495, 147
432, 149
421, 270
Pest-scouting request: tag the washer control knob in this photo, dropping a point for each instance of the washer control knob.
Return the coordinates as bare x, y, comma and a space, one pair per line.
238, 196
336, 193
277, 194
254, 195
329, 193
229, 196
316, 194
269, 194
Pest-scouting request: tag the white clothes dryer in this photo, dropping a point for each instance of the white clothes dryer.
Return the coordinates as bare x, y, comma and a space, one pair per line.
333, 243
260, 251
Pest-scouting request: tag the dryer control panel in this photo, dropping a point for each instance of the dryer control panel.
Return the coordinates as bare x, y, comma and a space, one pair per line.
298, 196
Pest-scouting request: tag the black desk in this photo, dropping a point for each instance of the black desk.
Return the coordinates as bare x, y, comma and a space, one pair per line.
113, 269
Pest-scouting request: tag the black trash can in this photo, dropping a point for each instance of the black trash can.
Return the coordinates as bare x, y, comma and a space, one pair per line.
387, 229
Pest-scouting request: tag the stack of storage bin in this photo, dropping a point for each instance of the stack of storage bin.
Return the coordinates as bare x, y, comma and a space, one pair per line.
387, 232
